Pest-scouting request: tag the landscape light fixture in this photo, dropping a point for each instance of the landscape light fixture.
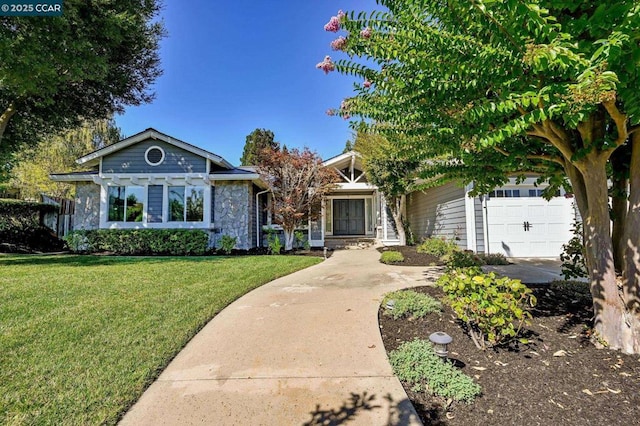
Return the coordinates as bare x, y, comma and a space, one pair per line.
390, 304
440, 341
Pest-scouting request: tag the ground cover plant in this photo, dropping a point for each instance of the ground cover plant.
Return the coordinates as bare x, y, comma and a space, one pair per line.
391, 257
83, 336
410, 304
558, 378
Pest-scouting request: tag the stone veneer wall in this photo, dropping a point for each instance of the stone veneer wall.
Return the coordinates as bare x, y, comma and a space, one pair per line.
87, 215
232, 215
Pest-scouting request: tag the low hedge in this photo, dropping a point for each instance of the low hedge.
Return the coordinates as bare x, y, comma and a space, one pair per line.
174, 242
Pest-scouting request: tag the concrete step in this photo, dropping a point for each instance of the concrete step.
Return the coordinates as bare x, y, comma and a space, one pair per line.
339, 243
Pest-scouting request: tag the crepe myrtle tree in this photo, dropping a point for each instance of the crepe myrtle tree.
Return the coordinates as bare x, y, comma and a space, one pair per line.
493, 88
298, 183
57, 72
391, 172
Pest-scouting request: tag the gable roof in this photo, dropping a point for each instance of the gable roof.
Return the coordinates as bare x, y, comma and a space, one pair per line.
93, 158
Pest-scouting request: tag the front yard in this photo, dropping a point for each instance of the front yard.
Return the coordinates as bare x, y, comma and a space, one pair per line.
83, 336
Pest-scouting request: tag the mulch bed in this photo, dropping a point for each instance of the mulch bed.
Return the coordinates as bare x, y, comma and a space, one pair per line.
412, 257
532, 384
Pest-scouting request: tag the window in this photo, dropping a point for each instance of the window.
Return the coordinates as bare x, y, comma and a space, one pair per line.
154, 156
125, 203
505, 193
186, 204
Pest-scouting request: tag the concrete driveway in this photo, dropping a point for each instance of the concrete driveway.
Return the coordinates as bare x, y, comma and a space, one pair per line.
529, 271
303, 349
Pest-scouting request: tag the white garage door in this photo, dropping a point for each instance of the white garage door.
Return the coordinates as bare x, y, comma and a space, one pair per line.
529, 226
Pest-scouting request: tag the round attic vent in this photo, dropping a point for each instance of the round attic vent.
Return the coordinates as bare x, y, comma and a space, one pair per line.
154, 155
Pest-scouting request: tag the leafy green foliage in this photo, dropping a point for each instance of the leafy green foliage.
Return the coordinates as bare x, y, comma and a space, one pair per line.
462, 259
228, 243
437, 247
273, 242
494, 309
479, 90
417, 364
572, 255
391, 256
493, 259
175, 242
255, 143
20, 225
411, 304
57, 154
98, 58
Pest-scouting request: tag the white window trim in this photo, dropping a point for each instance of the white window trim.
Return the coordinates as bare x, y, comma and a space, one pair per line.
144, 180
146, 158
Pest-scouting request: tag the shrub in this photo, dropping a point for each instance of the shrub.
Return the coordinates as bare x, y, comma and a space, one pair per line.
493, 258
273, 241
301, 240
175, 242
437, 247
572, 256
462, 259
228, 243
417, 364
494, 309
21, 225
391, 256
409, 303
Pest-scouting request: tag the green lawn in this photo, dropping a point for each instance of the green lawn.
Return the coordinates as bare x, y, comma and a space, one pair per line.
81, 337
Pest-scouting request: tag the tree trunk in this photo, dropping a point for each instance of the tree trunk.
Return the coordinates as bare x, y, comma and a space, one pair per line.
397, 208
5, 117
631, 256
619, 207
609, 317
289, 238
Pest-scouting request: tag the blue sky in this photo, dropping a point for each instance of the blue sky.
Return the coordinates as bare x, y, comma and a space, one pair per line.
236, 65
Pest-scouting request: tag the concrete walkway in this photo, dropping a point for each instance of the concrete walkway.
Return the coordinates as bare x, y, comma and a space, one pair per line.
303, 349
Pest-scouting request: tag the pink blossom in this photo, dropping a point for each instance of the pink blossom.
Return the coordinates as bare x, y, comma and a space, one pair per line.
346, 116
333, 25
341, 14
366, 33
343, 105
339, 44
366, 84
331, 112
326, 65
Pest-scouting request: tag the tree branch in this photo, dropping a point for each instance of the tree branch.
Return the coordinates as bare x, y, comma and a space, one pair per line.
621, 122
5, 117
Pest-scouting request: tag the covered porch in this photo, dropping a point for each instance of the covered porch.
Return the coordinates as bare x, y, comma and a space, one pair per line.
354, 213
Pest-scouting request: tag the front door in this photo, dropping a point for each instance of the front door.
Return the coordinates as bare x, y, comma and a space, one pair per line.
348, 217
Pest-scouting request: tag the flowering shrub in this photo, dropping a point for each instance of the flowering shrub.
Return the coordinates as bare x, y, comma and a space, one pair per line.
326, 65
339, 44
494, 309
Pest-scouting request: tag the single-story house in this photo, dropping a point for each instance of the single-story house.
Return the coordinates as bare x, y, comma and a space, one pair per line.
152, 180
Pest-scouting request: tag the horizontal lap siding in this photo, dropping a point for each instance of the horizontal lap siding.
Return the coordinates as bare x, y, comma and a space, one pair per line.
438, 212
154, 211
132, 160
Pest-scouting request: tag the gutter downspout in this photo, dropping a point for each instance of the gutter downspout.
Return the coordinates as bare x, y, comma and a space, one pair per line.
258, 216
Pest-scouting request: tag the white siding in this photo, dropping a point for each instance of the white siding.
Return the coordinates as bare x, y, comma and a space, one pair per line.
438, 212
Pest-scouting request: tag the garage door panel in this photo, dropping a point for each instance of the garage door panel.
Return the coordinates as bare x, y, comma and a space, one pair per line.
550, 226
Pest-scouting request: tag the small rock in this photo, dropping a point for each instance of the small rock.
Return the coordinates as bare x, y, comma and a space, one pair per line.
489, 411
561, 352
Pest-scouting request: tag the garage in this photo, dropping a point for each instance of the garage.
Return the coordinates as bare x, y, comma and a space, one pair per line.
520, 223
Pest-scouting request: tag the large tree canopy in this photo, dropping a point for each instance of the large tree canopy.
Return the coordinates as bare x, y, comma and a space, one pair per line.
500, 87
255, 143
92, 61
58, 154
